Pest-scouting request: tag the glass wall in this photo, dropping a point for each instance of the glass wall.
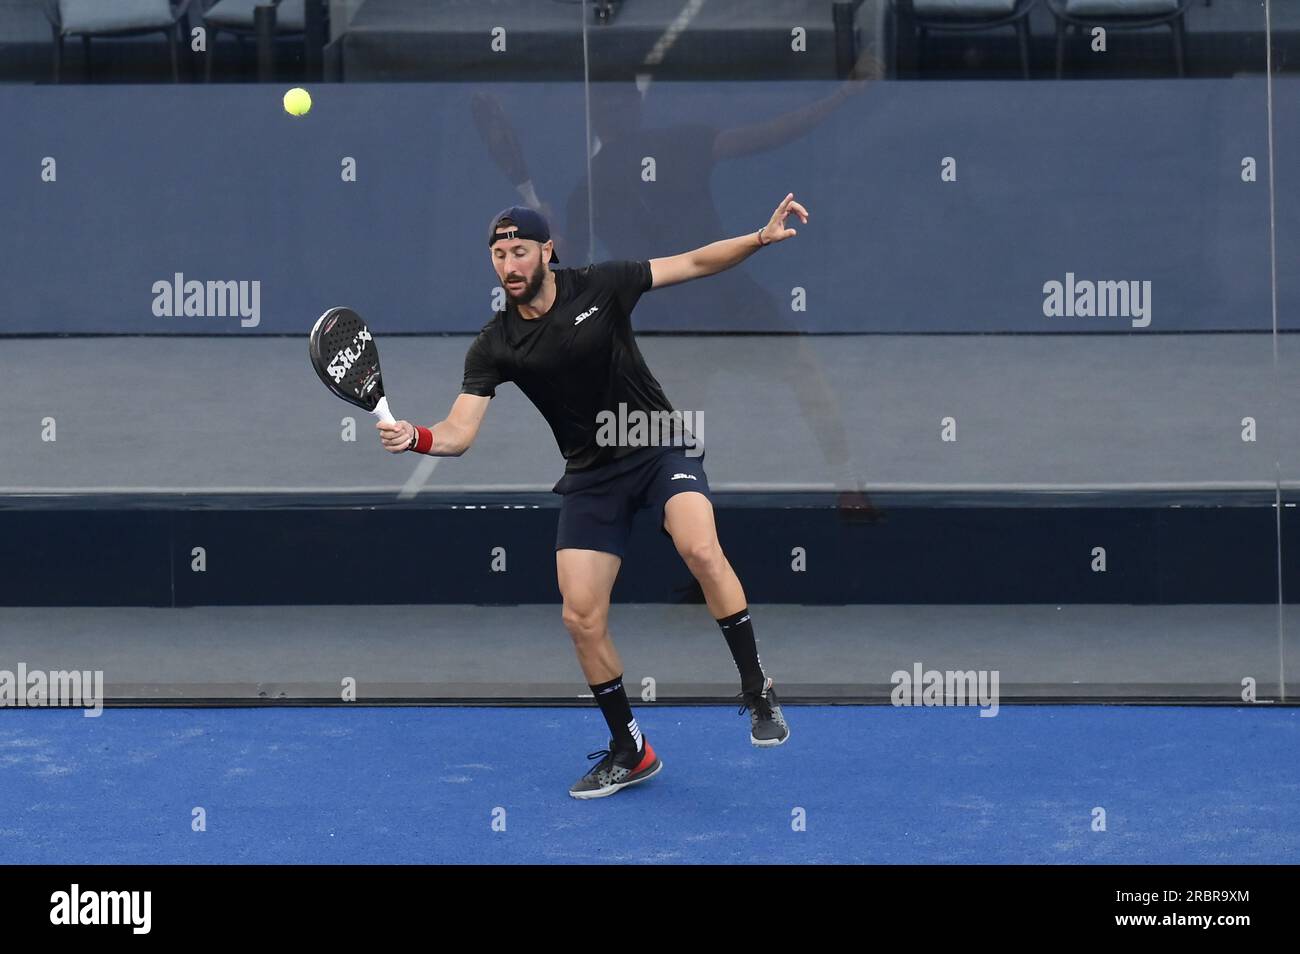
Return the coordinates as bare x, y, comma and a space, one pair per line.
1286, 356
1013, 399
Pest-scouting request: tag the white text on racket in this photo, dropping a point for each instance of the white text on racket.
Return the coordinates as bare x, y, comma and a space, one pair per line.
342, 362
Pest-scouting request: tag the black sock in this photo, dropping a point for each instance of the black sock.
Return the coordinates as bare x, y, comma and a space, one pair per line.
612, 699
739, 633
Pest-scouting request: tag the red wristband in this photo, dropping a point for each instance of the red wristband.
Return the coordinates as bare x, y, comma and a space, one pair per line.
423, 440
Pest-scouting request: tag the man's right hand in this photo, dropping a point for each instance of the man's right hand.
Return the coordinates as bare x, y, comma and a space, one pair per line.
396, 438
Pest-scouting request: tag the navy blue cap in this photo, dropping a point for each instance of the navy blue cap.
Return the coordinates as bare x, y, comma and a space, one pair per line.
528, 225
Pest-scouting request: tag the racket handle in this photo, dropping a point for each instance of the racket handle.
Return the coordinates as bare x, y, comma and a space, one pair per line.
382, 412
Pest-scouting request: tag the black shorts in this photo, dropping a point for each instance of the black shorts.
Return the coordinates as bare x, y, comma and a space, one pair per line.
599, 516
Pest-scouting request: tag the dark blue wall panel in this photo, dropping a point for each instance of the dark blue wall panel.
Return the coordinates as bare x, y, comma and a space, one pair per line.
1108, 181
906, 548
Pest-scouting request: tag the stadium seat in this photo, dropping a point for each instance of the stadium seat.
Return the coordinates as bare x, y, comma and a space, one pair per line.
236, 18
971, 16
121, 18
1120, 15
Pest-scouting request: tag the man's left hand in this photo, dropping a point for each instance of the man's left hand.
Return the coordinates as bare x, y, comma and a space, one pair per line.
775, 230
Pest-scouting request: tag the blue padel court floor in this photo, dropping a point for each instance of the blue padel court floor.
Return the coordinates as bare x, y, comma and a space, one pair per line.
872, 784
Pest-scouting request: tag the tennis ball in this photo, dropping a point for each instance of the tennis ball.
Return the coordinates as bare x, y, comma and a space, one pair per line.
297, 101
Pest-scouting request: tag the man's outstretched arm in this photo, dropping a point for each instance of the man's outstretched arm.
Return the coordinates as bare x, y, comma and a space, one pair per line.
450, 437
719, 256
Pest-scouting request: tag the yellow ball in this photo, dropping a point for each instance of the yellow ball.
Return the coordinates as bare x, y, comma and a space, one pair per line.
297, 101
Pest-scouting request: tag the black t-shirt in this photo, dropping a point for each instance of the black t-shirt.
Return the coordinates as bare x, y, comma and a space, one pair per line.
574, 362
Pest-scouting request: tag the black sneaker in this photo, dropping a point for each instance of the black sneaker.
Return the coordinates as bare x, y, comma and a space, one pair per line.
766, 723
617, 770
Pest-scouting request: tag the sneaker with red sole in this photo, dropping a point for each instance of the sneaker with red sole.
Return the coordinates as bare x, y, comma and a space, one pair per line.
616, 771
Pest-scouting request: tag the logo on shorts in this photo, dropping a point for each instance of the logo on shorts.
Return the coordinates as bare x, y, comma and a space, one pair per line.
585, 315
683, 477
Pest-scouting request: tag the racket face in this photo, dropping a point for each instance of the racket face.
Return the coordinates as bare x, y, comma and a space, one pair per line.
344, 355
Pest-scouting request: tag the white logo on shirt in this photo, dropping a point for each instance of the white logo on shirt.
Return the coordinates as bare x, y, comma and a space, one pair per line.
586, 314
683, 477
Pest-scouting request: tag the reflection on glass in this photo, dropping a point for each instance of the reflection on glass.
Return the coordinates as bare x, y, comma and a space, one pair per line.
1029, 331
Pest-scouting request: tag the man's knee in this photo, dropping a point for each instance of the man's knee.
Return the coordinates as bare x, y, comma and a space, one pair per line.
586, 622
704, 558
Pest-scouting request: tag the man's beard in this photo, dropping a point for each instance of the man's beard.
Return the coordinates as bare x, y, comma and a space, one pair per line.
530, 290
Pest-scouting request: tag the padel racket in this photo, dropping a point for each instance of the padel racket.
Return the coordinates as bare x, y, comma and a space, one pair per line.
343, 352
